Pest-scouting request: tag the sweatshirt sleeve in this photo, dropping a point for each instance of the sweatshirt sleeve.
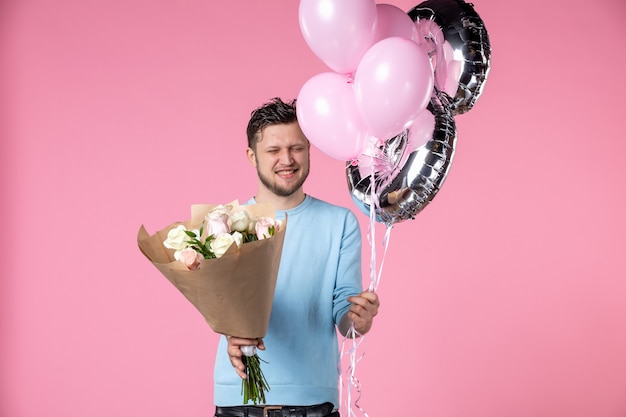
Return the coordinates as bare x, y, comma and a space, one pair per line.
348, 280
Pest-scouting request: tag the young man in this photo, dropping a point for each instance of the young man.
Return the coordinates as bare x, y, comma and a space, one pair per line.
319, 286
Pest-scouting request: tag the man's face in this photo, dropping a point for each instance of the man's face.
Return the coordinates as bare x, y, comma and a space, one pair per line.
281, 158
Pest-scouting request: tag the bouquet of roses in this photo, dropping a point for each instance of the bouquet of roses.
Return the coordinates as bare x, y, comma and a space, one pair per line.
225, 260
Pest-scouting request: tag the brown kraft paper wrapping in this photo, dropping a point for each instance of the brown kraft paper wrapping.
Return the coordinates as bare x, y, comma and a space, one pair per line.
233, 293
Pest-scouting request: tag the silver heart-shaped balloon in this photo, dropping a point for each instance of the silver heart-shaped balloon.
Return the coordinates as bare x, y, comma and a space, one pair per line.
466, 34
405, 180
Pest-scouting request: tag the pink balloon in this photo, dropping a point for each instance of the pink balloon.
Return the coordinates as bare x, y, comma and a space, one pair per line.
392, 21
339, 32
447, 69
429, 35
421, 130
448, 74
329, 116
393, 83
372, 158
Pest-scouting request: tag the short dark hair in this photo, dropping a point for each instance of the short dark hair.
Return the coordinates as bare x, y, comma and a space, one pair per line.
274, 112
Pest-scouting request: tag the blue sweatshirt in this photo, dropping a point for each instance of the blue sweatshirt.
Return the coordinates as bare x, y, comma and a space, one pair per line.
320, 268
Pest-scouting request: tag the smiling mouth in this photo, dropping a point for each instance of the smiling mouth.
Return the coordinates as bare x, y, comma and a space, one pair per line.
286, 172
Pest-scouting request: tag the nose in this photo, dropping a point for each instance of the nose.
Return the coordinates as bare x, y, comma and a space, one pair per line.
285, 157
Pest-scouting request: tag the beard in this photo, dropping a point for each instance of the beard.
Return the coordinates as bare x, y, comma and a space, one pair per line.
280, 190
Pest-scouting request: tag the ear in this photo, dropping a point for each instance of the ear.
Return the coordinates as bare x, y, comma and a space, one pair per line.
251, 156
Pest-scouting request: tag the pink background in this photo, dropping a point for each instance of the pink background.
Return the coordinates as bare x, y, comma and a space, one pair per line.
505, 297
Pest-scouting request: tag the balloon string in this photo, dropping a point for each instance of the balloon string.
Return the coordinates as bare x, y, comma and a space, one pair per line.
376, 282
356, 339
374, 207
354, 385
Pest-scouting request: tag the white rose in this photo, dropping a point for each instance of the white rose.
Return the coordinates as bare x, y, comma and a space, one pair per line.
177, 239
238, 239
240, 221
221, 209
221, 243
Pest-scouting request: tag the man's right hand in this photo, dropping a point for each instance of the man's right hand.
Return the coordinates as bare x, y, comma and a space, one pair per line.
235, 354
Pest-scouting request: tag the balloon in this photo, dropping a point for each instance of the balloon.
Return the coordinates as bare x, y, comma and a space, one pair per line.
463, 69
392, 84
417, 135
339, 32
329, 117
421, 130
430, 38
392, 21
405, 179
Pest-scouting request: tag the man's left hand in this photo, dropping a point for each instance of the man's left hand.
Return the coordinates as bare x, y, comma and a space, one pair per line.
362, 311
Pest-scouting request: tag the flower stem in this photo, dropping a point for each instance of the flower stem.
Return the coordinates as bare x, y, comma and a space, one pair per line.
254, 386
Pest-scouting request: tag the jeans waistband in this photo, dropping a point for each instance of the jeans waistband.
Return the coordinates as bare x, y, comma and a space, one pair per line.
320, 410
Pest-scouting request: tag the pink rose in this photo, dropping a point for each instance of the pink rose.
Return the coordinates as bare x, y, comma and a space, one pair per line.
190, 258
217, 223
266, 227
